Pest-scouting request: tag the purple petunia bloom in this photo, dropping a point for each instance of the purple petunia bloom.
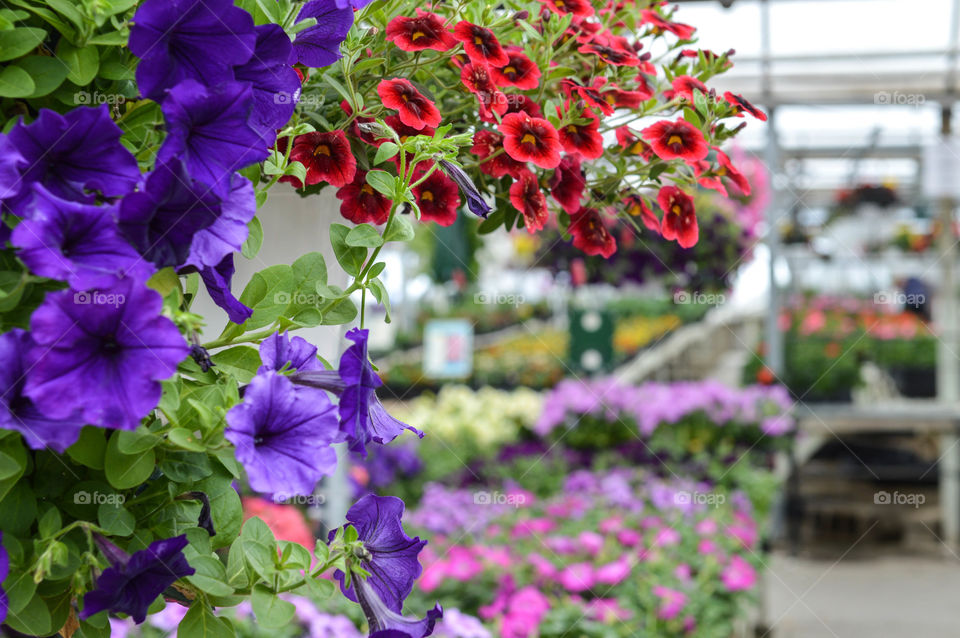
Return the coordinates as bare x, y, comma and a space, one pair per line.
391, 560
4, 570
77, 243
353, 4
209, 129
17, 412
319, 46
276, 86
362, 417
217, 280
280, 349
11, 161
228, 232
103, 353
475, 202
68, 154
188, 39
283, 434
132, 583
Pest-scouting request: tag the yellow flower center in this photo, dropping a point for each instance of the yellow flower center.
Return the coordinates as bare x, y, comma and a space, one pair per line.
674, 139
366, 189
509, 69
478, 40
426, 196
528, 139
722, 171
322, 149
676, 209
571, 128
417, 35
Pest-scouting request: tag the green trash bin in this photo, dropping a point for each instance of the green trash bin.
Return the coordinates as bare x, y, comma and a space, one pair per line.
591, 340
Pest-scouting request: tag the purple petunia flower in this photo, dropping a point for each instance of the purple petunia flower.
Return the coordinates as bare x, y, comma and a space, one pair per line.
276, 86
209, 129
280, 349
475, 202
217, 280
353, 4
4, 570
283, 434
319, 46
188, 39
228, 232
11, 161
17, 412
103, 353
132, 583
68, 154
362, 417
77, 243
392, 555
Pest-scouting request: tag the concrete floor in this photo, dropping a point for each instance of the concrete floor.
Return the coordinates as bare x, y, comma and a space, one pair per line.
862, 597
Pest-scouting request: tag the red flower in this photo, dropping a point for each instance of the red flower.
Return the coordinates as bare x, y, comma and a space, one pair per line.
426, 31
679, 218
326, 156
581, 8
611, 50
361, 204
476, 77
637, 206
632, 144
582, 30
415, 110
726, 169
683, 85
620, 98
530, 139
355, 125
740, 104
590, 234
567, 184
480, 44
486, 144
588, 94
438, 198
682, 31
518, 104
583, 136
519, 71
680, 139
526, 197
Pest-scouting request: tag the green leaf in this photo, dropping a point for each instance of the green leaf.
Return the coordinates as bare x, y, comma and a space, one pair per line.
47, 73
13, 447
350, 258
13, 285
124, 471
368, 63
34, 619
49, 523
236, 574
338, 87
20, 41
9, 466
343, 312
239, 361
15, 82
400, 230
254, 239
225, 507
385, 152
268, 294
319, 588
271, 611
199, 622
89, 448
116, 519
383, 182
297, 555
83, 62
380, 293
364, 236
186, 467
184, 438
136, 441
210, 576
259, 547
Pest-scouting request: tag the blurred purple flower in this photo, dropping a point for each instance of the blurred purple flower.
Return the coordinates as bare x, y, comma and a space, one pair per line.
276, 86
319, 46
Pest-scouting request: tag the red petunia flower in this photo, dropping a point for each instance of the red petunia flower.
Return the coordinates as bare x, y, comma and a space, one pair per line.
415, 110
726, 169
620, 98
582, 137
611, 50
636, 206
526, 197
518, 103
326, 156
741, 105
361, 203
684, 85
486, 144
530, 139
676, 140
480, 44
582, 30
476, 77
580, 8
590, 234
355, 128
567, 184
438, 198
682, 31
426, 31
588, 94
679, 218
519, 71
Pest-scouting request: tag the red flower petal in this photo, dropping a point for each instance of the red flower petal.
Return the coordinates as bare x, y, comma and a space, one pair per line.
590, 234
326, 156
741, 105
679, 218
480, 44
531, 139
676, 140
526, 197
438, 198
426, 31
583, 139
361, 204
519, 71
415, 110
489, 144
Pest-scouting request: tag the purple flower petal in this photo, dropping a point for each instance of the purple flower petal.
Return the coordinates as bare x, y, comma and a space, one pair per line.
188, 39
209, 129
283, 434
217, 279
319, 46
280, 349
226, 235
276, 86
4, 571
102, 353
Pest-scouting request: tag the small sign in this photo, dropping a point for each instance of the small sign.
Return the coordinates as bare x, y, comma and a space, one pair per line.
448, 349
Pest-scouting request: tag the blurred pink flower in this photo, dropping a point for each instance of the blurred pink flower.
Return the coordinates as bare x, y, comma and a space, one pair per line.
613, 573
461, 564
543, 567
671, 602
738, 575
532, 526
611, 525
629, 537
707, 547
666, 537
591, 541
607, 610
706, 527
577, 577
683, 571
433, 575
